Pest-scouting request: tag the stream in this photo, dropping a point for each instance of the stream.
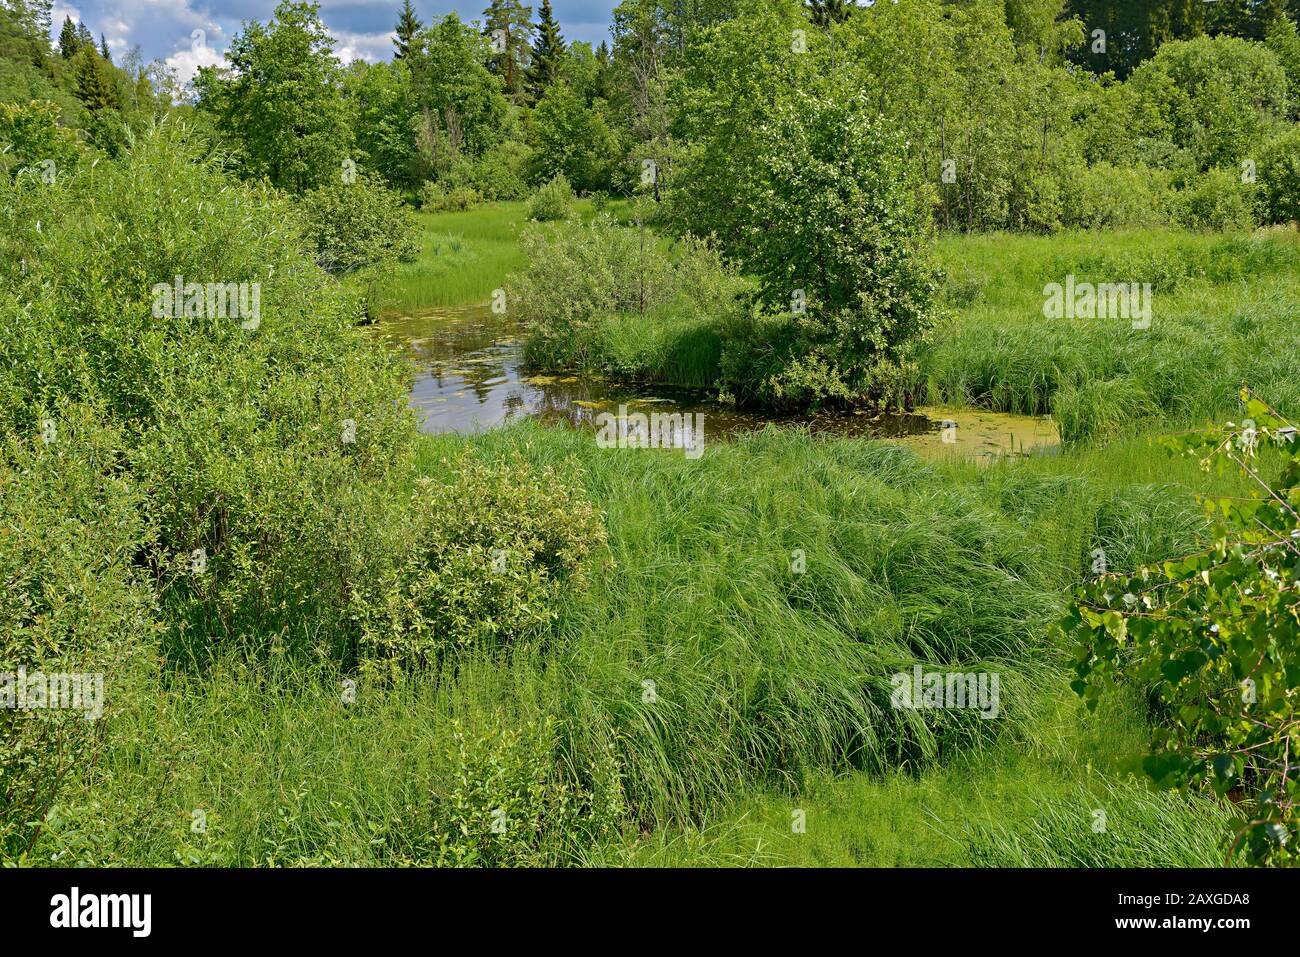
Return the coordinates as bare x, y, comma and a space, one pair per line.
470, 376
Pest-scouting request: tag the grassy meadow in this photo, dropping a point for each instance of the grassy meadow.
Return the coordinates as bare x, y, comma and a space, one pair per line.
700, 692
463, 257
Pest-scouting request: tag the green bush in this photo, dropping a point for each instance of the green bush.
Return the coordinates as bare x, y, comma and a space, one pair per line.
603, 296
72, 600
554, 201
489, 556
263, 441
500, 174
1111, 197
356, 224
437, 198
508, 803
31, 134
571, 138
1279, 175
1219, 201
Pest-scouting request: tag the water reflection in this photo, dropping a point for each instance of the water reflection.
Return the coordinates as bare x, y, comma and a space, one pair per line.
470, 376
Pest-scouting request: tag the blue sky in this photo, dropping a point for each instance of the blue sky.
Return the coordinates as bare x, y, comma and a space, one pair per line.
362, 28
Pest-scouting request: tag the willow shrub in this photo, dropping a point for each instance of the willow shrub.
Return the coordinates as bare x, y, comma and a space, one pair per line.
355, 221
491, 551
553, 201
268, 438
262, 443
619, 300
72, 602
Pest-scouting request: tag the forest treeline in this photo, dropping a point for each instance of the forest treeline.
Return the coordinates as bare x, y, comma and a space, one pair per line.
1014, 114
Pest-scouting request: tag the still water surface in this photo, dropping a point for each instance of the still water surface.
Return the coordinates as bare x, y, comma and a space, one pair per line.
470, 376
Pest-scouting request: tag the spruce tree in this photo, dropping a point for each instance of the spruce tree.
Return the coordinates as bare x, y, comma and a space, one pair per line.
548, 52
95, 86
408, 25
68, 42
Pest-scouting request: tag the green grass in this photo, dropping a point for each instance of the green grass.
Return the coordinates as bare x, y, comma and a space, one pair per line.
463, 258
1224, 314
767, 684
1031, 802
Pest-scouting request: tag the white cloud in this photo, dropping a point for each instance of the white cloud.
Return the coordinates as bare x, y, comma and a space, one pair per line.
370, 47
185, 63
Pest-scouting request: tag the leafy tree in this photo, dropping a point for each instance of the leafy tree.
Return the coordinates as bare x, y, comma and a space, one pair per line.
571, 138
1215, 638
280, 103
1249, 19
728, 84
836, 238
1041, 30
508, 26
1284, 40
548, 52
459, 102
804, 186
826, 12
586, 71
408, 27
1214, 97
384, 110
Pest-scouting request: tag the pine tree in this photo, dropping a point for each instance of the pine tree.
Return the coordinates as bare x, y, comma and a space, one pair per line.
1244, 18
68, 42
43, 11
33, 17
408, 25
509, 25
103, 49
548, 51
